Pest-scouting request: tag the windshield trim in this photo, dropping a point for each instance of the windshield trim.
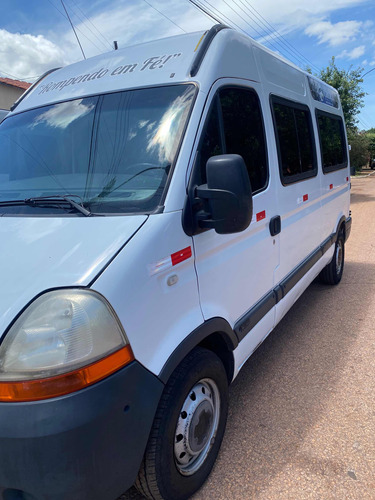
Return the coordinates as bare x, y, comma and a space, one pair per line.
160, 207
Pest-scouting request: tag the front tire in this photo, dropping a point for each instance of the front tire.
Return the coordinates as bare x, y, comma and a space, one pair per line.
332, 273
188, 429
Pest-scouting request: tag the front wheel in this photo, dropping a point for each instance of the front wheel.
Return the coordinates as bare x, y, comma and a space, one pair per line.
188, 429
332, 273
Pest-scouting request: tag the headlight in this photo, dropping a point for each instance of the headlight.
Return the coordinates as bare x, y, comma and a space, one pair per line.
62, 332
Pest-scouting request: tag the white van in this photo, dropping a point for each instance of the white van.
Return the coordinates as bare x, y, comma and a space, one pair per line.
162, 207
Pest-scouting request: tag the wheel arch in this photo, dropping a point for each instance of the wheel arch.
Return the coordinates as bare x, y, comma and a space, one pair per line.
341, 226
216, 335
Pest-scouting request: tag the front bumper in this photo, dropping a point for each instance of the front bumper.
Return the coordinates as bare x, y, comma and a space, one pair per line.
86, 445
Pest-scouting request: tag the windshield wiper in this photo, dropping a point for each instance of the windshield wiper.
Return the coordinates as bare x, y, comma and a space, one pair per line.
53, 200
109, 187
50, 200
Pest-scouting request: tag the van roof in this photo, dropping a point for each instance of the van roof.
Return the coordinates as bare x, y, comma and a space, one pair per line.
176, 59
153, 63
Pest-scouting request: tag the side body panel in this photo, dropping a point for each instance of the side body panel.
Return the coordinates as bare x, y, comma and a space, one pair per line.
157, 302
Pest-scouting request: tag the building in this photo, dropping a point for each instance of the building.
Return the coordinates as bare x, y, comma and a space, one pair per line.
10, 91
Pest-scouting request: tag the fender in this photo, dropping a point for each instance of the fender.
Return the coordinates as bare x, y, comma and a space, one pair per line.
346, 222
341, 220
214, 325
339, 224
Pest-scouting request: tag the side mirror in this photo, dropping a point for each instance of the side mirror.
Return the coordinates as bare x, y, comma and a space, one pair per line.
227, 196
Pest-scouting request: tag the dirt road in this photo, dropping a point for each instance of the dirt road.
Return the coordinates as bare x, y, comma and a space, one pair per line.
302, 410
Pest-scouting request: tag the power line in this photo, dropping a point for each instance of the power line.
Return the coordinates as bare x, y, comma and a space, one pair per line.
367, 72
161, 13
366, 116
252, 27
17, 77
277, 47
231, 22
227, 19
274, 37
83, 34
282, 38
202, 9
83, 24
92, 24
366, 127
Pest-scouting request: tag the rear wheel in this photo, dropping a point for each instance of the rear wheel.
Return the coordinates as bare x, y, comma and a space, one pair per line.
188, 429
332, 273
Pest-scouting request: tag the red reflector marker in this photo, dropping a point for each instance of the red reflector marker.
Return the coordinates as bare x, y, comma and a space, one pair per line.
305, 197
331, 186
181, 256
347, 179
261, 215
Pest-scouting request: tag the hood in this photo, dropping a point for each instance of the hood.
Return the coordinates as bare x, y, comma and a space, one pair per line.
41, 253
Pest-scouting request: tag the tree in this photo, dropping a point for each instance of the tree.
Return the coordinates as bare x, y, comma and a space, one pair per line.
371, 149
359, 154
348, 84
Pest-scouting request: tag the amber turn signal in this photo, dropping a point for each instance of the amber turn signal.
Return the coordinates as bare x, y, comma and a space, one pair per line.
35, 390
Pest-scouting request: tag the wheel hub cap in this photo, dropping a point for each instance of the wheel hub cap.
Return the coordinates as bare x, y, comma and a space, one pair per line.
200, 426
197, 426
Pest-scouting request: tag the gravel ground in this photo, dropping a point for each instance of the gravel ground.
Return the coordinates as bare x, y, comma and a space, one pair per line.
302, 410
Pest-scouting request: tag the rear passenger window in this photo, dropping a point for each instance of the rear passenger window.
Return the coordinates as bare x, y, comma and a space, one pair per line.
332, 141
295, 140
235, 126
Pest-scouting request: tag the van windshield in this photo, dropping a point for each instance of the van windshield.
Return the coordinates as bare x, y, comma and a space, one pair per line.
114, 151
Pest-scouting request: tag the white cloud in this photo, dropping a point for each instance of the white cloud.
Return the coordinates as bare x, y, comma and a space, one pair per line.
63, 114
334, 34
354, 53
28, 55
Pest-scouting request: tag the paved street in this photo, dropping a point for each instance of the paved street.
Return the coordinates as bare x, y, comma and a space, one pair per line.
302, 410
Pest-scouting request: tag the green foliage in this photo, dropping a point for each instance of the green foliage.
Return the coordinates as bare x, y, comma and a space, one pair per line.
360, 148
370, 134
348, 84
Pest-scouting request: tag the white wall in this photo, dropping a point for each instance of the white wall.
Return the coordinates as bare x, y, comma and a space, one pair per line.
9, 94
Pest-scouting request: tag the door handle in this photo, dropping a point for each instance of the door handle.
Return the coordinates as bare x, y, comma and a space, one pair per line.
275, 225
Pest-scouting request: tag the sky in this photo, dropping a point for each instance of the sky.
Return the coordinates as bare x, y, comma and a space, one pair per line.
35, 35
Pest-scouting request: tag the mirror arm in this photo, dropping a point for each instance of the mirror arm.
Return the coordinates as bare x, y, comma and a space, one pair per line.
206, 193
204, 219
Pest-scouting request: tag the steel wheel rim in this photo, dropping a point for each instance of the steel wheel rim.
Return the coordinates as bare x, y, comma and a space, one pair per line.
339, 257
197, 426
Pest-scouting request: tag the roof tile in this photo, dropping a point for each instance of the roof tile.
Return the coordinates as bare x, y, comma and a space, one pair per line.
15, 83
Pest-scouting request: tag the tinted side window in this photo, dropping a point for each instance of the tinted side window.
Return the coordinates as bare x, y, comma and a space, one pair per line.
211, 141
235, 126
332, 141
295, 141
243, 132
